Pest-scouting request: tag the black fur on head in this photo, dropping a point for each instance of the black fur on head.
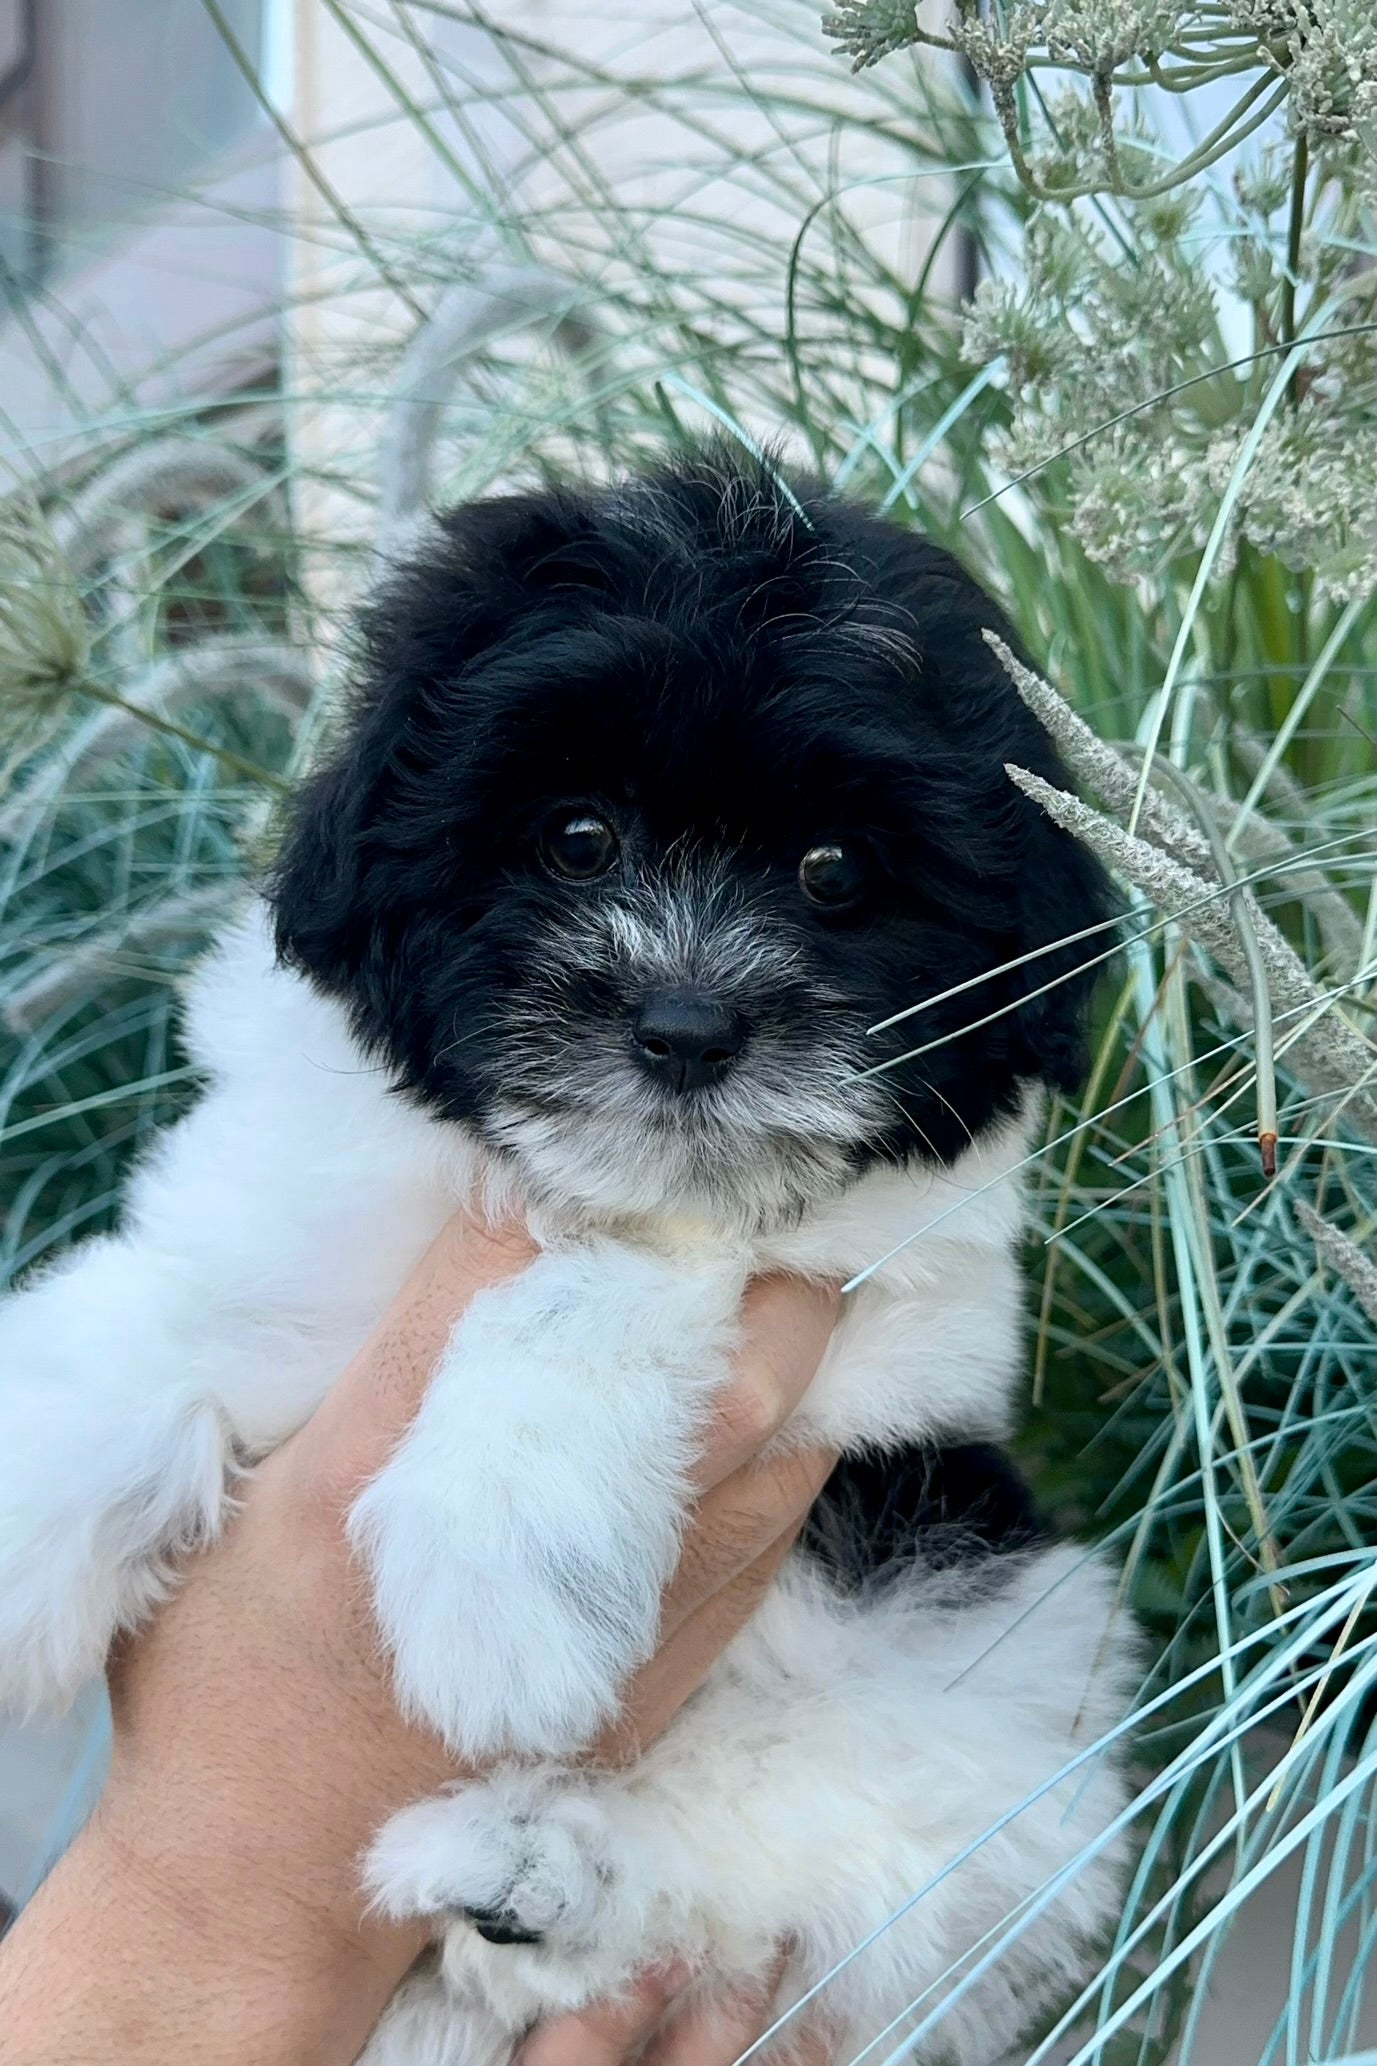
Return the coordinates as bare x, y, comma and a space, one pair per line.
556, 866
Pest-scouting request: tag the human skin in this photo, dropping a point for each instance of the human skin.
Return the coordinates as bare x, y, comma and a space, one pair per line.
210, 1911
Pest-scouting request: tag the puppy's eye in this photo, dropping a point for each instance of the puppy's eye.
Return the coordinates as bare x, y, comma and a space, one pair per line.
578, 845
831, 876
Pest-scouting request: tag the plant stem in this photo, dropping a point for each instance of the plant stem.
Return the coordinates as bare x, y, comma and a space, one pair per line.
1263, 1045
1299, 174
170, 729
343, 215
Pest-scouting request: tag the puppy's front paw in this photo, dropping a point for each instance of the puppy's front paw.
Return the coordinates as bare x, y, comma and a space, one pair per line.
519, 1539
507, 1632
525, 1860
95, 1504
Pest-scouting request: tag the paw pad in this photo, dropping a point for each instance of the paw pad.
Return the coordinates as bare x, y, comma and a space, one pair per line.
500, 1926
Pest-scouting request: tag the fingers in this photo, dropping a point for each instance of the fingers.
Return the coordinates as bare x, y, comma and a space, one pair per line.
606, 2034
760, 1504
785, 1325
359, 1423
709, 2028
714, 2029
682, 1662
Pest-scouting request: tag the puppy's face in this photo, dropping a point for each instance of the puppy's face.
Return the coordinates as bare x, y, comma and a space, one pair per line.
656, 803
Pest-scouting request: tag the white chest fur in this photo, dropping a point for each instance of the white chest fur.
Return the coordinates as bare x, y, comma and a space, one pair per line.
301, 1190
518, 1539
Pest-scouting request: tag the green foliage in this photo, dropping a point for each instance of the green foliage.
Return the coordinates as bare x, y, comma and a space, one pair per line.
124, 824
1151, 432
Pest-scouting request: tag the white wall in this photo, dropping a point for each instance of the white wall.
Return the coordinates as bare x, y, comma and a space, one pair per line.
665, 143
162, 249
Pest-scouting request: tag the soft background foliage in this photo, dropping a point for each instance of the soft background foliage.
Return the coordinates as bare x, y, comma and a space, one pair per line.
1148, 426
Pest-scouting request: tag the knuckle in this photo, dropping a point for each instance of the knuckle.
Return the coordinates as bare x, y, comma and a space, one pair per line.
740, 1534
802, 1473
752, 1413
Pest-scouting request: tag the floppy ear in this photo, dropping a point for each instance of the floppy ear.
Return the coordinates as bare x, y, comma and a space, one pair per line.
1058, 888
315, 880
476, 572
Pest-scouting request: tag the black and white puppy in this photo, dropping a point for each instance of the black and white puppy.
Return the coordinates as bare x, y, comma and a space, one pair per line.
655, 800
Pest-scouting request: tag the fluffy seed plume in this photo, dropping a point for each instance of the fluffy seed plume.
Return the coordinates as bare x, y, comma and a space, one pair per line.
1330, 1051
44, 642
1344, 1257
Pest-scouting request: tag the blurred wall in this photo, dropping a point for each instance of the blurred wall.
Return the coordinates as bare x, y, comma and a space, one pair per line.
520, 122
141, 247
158, 242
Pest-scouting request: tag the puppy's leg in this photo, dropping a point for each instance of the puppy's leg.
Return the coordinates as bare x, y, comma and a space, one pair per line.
526, 1857
849, 1774
549, 1881
520, 1536
111, 1462
425, 2024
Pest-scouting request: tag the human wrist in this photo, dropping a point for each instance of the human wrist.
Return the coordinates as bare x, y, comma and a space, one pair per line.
198, 1963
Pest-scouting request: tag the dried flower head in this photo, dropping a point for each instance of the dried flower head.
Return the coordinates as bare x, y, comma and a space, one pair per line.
1116, 358
867, 30
44, 642
1320, 57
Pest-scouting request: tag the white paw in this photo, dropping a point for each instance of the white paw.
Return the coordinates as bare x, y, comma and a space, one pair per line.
520, 1536
91, 1518
507, 1632
525, 1860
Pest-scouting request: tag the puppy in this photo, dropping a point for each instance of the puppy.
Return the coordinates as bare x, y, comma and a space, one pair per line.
658, 806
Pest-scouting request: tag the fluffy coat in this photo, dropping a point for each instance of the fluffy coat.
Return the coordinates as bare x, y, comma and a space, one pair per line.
600, 742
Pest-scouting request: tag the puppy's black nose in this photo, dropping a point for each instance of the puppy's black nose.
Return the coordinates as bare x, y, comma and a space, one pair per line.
685, 1040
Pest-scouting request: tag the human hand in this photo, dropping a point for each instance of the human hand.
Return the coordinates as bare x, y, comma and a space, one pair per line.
663, 2021
211, 1910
